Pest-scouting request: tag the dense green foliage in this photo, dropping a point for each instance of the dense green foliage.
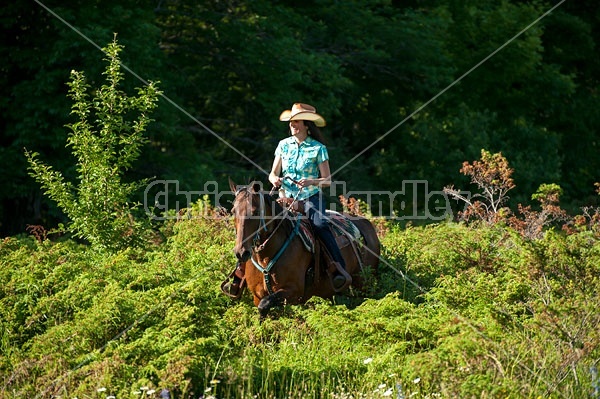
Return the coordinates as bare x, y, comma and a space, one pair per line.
503, 307
456, 311
106, 141
229, 68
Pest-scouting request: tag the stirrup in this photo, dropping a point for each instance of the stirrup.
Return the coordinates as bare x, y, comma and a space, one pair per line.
342, 273
226, 288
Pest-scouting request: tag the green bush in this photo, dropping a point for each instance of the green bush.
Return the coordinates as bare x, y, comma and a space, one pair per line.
488, 313
106, 140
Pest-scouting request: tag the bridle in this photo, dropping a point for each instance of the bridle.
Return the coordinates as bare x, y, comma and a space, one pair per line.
262, 226
258, 246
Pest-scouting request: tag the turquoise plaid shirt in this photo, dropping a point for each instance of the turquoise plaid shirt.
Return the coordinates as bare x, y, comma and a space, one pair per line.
300, 162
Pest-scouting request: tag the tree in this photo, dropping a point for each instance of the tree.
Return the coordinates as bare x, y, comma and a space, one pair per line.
366, 65
106, 140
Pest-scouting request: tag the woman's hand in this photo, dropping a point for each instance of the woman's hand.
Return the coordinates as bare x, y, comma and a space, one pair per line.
307, 182
276, 181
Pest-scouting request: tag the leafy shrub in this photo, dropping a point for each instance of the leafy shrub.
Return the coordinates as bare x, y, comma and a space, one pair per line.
492, 176
106, 141
486, 313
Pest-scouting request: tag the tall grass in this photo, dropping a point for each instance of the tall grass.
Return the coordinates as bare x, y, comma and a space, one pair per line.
468, 312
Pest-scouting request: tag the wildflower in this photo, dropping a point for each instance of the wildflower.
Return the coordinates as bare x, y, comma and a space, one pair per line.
417, 380
381, 386
110, 397
144, 388
388, 392
399, 389
214, 381
150, 392
101, 389
368, 360
207, 390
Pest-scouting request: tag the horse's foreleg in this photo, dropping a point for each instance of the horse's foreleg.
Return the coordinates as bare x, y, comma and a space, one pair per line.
276, 299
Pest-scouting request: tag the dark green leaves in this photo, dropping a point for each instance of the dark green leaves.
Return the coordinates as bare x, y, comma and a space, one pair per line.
105, 141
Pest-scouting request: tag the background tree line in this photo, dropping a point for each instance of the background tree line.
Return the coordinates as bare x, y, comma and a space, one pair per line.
233, 66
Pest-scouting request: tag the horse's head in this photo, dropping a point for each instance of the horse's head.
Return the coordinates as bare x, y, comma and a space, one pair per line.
251, 211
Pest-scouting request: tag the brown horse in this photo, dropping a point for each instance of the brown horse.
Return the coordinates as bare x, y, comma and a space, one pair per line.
279, 268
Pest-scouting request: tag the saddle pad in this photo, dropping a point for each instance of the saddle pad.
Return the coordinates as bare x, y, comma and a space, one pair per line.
342, 225
307, 236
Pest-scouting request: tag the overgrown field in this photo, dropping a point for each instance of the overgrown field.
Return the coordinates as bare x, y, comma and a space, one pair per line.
456, 312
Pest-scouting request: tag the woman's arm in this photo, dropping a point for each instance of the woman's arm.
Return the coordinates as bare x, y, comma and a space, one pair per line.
275, 172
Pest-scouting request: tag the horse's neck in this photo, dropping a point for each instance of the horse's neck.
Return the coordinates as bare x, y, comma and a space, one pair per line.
282, 222
282, 226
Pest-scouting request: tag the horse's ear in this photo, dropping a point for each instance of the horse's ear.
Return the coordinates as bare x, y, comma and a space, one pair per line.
232, 186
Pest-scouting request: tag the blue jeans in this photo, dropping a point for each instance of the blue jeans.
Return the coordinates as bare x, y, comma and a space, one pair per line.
315, 211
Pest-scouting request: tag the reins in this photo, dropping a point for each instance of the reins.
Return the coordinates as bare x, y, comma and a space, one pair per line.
256, 247
267, 269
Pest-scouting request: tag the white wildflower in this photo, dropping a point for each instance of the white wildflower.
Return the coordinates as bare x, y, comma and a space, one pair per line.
101, 389
388, 392
417, 380
368, 360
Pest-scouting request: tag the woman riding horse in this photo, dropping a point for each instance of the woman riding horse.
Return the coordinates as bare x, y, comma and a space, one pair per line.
303, 158
283, 264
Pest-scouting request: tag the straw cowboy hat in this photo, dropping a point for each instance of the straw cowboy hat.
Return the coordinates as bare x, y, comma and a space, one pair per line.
302, 112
